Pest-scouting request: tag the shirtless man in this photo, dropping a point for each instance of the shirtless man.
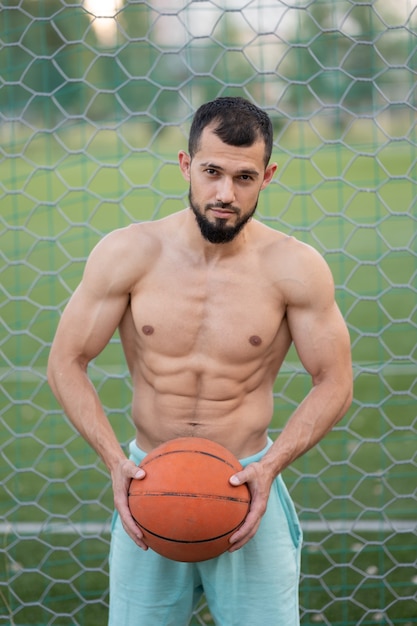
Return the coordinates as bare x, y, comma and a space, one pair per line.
208, 301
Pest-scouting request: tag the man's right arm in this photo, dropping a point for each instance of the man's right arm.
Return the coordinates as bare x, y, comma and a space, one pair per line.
86, 327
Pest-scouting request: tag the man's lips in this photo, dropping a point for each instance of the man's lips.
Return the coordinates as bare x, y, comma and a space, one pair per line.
222, 213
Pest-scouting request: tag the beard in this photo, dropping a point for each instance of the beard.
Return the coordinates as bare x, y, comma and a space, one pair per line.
218, 231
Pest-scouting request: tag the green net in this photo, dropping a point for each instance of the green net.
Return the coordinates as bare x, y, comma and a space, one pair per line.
95, 101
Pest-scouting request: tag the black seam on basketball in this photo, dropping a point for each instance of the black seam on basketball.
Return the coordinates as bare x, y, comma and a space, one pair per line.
203, 496
232, 530
213, 456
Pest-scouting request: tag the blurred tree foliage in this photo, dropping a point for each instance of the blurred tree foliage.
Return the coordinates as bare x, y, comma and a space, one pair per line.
53, 65
46, 48
345, 57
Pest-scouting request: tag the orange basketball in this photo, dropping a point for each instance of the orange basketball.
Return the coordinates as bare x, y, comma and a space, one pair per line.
185, 505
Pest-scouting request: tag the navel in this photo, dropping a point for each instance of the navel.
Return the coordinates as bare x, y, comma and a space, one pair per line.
255, 340
148, 330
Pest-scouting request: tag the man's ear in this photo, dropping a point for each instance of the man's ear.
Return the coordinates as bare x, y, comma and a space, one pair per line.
185, 164
269, 174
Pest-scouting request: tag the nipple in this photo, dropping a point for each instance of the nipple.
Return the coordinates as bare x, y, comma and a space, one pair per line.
255, 340
147, 330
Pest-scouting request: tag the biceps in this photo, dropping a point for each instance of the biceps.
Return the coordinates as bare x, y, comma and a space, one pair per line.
87, 324
322, 341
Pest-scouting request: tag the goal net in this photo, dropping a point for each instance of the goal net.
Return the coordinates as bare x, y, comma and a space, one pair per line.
96, 98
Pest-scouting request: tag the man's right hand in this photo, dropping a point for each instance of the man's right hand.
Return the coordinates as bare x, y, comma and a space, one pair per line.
121, 478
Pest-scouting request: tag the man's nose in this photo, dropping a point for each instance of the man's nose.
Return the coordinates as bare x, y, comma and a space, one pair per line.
225, 191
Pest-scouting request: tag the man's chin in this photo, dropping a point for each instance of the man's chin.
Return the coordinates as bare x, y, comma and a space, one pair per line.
217, 230
219, 235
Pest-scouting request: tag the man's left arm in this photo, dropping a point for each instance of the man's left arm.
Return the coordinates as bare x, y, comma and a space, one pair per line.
322, 342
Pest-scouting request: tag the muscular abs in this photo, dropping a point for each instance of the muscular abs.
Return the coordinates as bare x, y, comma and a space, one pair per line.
203, 347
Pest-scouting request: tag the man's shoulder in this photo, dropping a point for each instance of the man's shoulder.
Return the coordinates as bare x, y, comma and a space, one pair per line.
147, 232
292, 263
136, 238
278, 243
126, 251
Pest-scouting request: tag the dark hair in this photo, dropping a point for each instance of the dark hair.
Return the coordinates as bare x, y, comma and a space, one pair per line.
236, 121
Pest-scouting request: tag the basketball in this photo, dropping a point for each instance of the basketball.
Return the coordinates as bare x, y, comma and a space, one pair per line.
185, 505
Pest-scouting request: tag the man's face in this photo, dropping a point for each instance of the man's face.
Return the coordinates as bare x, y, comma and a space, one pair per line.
225, 182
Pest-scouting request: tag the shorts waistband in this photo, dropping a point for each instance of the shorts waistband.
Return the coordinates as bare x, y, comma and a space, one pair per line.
137, 455
256, 457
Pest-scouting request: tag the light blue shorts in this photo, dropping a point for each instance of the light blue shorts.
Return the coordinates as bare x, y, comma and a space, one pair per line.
257, 584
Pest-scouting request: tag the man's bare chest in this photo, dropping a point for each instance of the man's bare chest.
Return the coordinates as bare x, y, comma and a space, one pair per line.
231, 315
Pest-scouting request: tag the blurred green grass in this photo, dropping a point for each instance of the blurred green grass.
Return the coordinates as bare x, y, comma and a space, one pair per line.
355, 209
331, 587
57, 200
